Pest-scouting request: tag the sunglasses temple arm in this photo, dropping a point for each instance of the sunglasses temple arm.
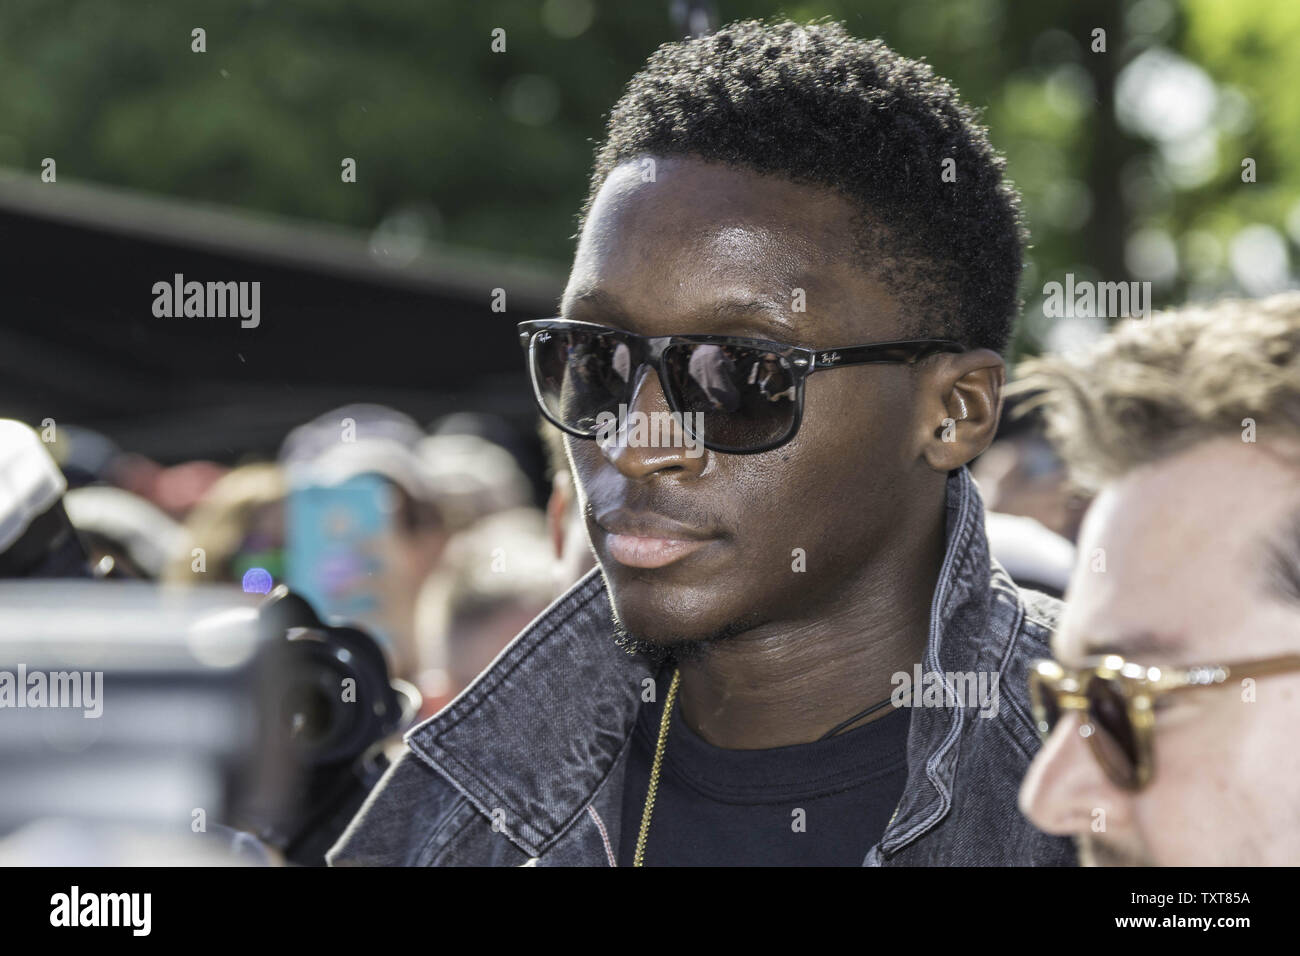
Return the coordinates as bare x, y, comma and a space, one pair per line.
897, 353
1263, 668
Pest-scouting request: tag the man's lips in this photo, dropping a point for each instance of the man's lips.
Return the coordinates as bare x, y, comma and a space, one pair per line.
637, 552
648, 540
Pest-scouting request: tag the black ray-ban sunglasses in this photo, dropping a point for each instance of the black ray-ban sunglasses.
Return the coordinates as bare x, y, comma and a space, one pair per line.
747, 393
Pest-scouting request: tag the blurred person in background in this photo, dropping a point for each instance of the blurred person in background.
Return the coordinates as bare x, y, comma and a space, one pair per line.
1170, 719
1022, 474
363, 528
565, 527
501, 434
494, 578
438, 485
88, 457
178, 488
1033, 512
472, 477
138, 537
239, 525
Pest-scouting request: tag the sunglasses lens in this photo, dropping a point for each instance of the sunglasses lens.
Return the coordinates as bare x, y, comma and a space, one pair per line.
1114, 739
580, 374
1046, 710
745, 398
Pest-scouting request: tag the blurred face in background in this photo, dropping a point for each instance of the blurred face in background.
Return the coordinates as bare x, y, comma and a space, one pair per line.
567, 532
495, 577
1184, 563
421, 539
415, 544
707, 248
1024, 476
262, 545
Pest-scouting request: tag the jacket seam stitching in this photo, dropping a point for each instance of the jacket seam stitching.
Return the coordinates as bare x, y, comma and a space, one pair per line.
1012, 647
604, 835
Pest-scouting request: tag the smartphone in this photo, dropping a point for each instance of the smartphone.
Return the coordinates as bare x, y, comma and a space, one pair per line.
337, 539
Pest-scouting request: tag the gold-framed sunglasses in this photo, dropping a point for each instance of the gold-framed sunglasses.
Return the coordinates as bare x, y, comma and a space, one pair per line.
1118, 698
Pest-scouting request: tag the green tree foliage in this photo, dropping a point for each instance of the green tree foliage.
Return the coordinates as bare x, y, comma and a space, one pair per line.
491, 150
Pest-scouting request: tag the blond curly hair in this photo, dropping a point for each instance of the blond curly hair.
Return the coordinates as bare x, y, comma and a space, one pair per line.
1153, 387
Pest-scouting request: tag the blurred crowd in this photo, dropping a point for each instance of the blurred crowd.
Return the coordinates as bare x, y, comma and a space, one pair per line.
429, 538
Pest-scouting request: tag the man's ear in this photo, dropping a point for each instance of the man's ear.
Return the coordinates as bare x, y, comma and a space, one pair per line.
960, 405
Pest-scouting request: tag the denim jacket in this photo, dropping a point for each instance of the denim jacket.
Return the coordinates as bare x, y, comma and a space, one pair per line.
527, 765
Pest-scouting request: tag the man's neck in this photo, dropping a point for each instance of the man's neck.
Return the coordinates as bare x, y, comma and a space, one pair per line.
782, 684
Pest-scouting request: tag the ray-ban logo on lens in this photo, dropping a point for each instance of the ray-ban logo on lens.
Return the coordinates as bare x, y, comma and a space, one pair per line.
636, 429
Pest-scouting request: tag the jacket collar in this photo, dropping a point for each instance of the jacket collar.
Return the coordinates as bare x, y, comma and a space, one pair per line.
535, 736
962, 628
531, 740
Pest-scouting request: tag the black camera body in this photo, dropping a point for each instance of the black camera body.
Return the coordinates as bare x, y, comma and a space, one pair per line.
324, 694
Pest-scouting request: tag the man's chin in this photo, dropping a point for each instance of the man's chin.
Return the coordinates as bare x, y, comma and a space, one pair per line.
1094, 852
671, 647
660, 652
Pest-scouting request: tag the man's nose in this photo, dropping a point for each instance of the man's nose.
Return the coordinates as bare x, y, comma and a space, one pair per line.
658, 443
1066, 792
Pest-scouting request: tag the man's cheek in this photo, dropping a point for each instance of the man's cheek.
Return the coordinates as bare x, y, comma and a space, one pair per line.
796, 553
777, 556
1189, 814
588, 472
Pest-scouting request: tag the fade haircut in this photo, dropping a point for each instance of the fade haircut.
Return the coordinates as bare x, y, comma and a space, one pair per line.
816, 106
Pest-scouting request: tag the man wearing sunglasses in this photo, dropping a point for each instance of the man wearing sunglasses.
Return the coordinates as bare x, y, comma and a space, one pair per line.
799, 252
1170, 720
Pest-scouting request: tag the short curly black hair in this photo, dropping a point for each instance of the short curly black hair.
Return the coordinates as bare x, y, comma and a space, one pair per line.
815, 105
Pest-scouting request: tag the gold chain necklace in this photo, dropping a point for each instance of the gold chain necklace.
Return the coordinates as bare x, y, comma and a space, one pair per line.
639, 857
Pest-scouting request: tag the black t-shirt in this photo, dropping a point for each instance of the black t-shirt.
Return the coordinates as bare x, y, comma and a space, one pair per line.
824, 803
